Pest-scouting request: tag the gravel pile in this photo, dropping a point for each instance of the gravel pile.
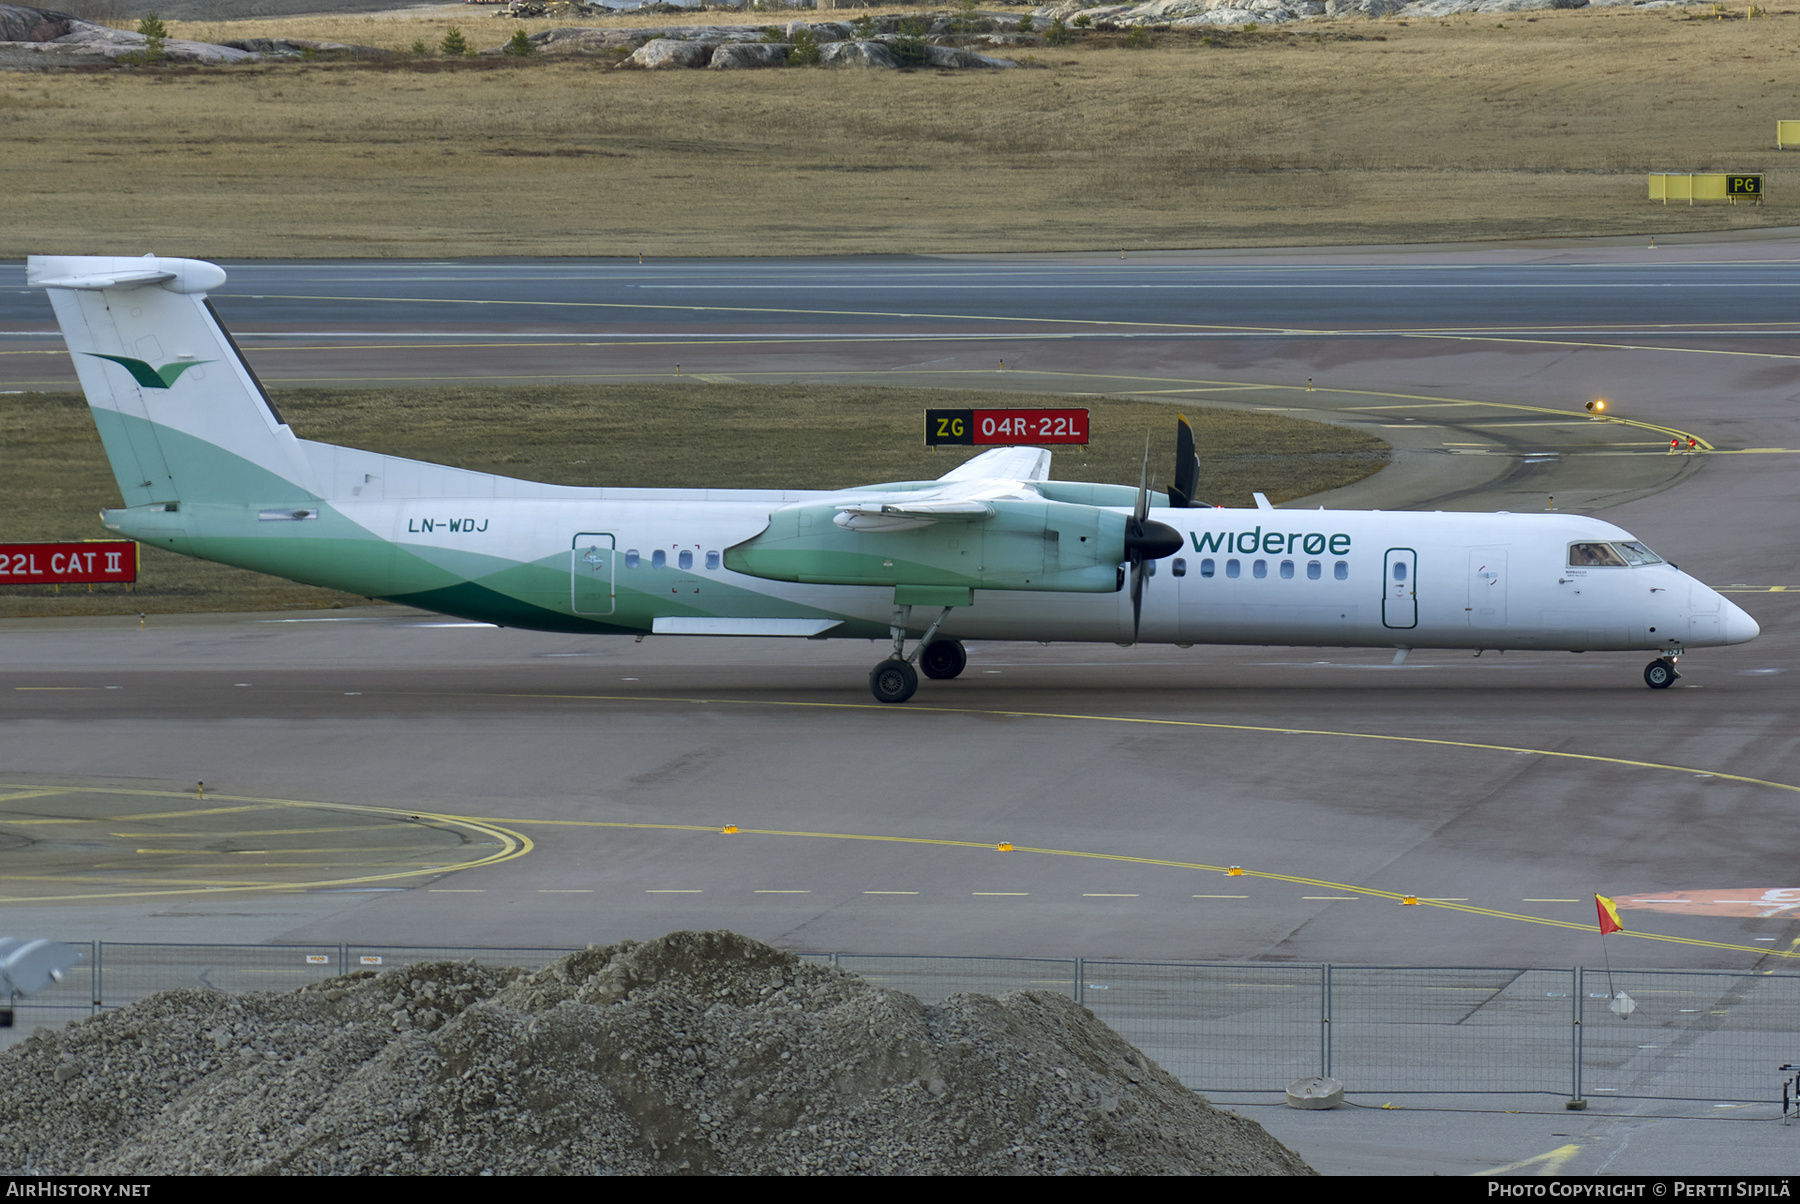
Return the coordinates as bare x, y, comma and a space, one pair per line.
701, 1052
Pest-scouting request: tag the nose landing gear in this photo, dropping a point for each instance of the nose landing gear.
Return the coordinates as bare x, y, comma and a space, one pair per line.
1660, 673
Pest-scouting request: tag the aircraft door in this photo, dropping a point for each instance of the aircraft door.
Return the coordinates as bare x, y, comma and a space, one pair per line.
592, 574
1487, 587
1399, 601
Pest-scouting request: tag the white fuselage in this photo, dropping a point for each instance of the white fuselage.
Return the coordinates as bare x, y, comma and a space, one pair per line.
1299, 577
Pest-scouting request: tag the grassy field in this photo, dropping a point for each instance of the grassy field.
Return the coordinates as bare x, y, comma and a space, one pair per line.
55, 474
1314, 133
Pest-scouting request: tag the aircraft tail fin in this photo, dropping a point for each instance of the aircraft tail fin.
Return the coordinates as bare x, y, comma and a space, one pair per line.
180, 413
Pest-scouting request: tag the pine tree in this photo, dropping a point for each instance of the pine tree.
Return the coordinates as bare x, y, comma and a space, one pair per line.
156, 37
454, 44
520, 46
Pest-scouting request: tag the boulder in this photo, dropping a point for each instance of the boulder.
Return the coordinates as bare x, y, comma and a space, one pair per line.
950, 56
822, 31
669, 52
294, 47
749, 55
1446, 8
857, 54
1233, 16
20, 24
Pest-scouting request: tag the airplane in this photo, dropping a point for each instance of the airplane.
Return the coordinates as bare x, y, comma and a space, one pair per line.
992, 550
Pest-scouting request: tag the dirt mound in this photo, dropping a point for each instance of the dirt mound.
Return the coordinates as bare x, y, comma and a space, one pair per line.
699, 1052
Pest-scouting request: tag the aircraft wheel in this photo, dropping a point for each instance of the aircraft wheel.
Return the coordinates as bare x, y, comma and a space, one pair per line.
1660, 674
893, 681
943, 659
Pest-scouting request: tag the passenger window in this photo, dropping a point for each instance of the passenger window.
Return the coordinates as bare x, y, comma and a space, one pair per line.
1594, 555
1312, 570
1399, 570
658, 559
685, 560
631, 558
1260, 569
1179, 568
712, 560
1231, 568
1287, 570
1206, 567
1342, 570
1149, 568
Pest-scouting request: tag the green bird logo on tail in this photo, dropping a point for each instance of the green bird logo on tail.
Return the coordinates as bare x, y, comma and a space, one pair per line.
144, 374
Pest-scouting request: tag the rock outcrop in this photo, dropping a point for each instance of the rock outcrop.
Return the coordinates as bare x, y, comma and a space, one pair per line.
1195, 14
37, 36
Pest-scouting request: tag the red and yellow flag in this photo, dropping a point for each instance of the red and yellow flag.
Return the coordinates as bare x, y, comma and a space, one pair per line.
1609, 915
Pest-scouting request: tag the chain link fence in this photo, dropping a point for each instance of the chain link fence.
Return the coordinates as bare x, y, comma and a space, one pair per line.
1225, 1028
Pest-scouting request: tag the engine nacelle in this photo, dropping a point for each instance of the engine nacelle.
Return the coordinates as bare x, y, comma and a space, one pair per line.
1020, 545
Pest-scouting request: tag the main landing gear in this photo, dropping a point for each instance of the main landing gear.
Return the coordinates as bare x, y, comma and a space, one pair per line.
895, 679
1660, 673
943, 659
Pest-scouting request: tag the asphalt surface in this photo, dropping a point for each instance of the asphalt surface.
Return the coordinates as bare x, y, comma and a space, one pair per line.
1503, 792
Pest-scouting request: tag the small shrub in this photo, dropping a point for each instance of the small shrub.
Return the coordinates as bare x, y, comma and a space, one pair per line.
1083, 21
520, 44
454, 44
863, 27
1249, 26
806, 50
1140, 37
1058, 34
1025, 25
968, 17
773, 34
156, 37
420, 49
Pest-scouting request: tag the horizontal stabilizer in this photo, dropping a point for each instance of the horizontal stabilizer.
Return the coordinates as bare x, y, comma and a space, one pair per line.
97, 272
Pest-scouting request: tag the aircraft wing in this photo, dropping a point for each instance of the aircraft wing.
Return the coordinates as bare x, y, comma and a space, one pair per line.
1004, 463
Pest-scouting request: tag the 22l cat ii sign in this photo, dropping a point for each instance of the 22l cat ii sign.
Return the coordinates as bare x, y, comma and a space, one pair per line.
1004, 428
92, 562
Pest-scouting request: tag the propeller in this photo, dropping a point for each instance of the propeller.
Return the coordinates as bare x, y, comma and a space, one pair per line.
1145, 540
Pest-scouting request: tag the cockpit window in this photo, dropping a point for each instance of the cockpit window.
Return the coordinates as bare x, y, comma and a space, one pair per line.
1591, 555
1636, 553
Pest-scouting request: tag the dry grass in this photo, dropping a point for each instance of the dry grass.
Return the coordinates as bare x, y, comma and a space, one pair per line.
728, 436
1467, 128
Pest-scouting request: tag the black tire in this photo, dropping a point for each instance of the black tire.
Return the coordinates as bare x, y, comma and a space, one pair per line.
893, 681
943, 659
1660, 674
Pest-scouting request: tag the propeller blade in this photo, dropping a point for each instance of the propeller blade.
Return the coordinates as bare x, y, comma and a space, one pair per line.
1140, 570
1187, 466
1143, 499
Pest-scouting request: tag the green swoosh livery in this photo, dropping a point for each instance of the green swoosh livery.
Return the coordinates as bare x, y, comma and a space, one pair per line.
144, 374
